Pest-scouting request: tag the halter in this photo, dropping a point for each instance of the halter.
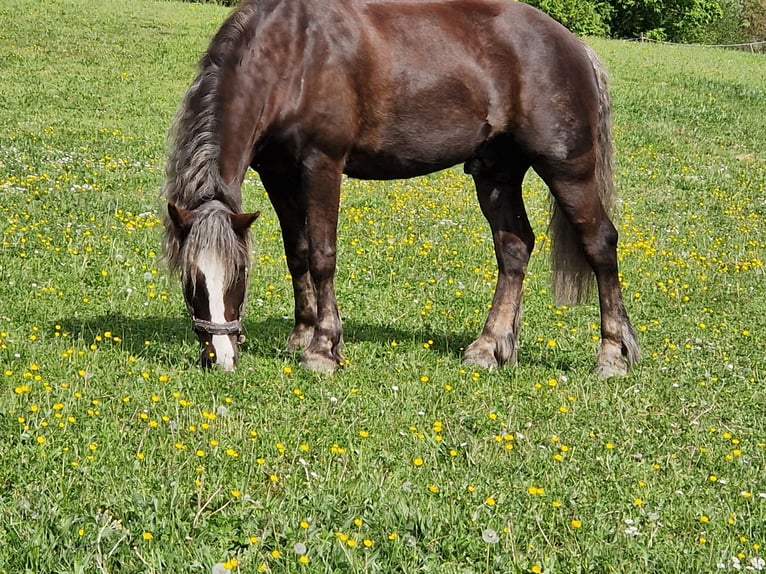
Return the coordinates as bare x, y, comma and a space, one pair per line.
226, 328
211, 328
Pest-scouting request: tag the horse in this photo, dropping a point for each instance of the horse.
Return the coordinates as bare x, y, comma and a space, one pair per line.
305, 91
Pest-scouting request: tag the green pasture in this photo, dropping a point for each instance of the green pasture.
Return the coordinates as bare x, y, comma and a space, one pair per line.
120, 455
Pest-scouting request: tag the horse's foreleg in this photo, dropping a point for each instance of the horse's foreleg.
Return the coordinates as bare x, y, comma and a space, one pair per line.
502, 204
284, 192
321, 190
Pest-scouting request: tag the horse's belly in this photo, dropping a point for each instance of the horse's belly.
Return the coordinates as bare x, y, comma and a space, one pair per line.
411, 150
394, 166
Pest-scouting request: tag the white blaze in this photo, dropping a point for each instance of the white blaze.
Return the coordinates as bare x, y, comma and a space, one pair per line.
211, 267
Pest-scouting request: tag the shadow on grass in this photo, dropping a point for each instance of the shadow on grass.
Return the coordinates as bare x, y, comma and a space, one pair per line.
167, 339
265, 337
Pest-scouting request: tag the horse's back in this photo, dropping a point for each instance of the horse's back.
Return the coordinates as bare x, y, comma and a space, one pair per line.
447, 77
406, 87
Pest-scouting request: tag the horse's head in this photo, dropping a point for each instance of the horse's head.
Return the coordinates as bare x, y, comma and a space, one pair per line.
211, 247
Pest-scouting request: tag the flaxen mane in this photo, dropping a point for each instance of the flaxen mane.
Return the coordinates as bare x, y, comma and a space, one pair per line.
192, 179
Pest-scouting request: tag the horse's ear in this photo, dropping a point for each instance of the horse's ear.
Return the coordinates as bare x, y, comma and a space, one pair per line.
241, 222
181, 218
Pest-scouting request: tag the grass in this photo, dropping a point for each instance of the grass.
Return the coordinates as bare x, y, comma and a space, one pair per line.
121, 455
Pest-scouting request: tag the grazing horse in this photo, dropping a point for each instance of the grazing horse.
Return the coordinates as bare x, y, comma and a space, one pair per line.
308, 90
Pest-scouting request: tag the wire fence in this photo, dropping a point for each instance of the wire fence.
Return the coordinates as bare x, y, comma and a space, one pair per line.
754, 47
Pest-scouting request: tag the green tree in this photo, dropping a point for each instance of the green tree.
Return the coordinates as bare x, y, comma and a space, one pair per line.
672, 20
584, 17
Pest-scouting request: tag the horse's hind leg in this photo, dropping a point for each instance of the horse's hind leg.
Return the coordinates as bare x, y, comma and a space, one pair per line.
499, 193
584, 232
283, 187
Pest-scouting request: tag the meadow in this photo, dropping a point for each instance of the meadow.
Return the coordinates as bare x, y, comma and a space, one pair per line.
120, 455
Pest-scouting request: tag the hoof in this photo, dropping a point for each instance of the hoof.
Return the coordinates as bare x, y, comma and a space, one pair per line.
613, 368
480, 355
318, 363
610, 361
300, 338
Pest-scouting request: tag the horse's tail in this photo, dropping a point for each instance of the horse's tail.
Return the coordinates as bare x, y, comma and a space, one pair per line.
572, 275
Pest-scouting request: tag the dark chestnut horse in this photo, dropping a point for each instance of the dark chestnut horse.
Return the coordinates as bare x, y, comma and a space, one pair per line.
304, 91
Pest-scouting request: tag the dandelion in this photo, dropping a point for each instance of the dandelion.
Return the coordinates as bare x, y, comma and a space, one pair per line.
575, 523
490, 536
417, 461
300, 548
147, 536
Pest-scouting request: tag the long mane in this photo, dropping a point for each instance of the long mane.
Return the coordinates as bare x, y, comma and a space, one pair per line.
192, 176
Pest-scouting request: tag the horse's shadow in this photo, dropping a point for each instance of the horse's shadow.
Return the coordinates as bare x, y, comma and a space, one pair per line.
139, 336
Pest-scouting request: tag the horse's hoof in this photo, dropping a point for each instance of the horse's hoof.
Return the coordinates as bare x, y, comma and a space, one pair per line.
615, 368
481, 359
481, 353
318, 363
300, 338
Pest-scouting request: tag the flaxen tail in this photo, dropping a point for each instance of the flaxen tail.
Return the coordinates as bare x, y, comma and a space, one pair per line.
572, 276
